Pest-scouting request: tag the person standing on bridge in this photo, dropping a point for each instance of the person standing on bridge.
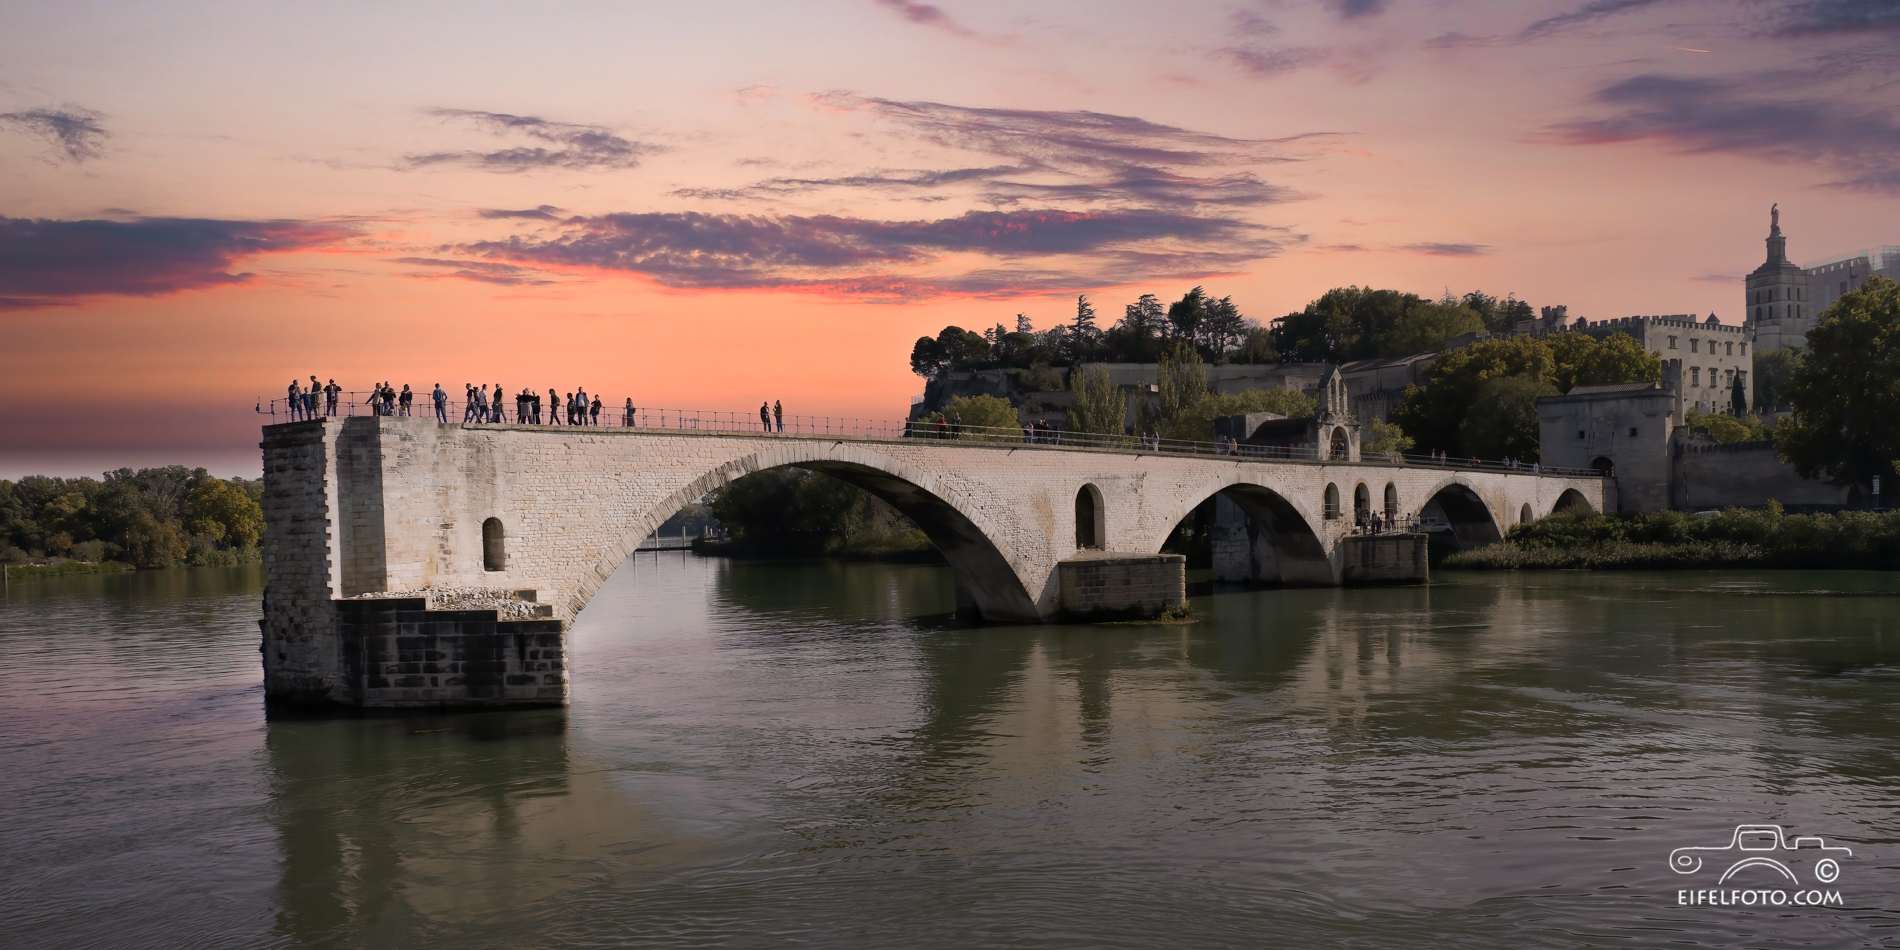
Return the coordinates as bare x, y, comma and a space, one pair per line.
293, 401
501, 415
627, 419
580, 406
408, 398
329, 398
593, 411
765, 416
778, 413
441, 404
310, 399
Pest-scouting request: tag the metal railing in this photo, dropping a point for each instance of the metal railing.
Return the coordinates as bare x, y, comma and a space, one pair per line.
456, 412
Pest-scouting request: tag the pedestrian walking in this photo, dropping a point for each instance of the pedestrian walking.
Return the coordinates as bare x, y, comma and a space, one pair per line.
554, 408
500, 416
778, 413
468, 403
441, 404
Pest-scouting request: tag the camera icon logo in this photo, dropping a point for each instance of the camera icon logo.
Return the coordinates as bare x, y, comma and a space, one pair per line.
1765, 846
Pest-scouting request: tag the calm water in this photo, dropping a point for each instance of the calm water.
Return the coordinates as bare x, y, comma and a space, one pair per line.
766, 755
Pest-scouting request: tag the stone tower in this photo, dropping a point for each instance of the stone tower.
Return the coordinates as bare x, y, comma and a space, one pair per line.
1777, 306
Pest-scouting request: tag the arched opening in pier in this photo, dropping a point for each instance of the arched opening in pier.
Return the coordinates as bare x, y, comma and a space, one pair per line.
1467, 521
1361, 503
986, 583
1253, 535
1572, 498
1391, 502
494, 546
1603, 466
1524, 515
1342, 447
1090, 531
1331, 502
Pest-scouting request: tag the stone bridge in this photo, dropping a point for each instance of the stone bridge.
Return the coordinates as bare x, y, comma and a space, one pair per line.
374, 523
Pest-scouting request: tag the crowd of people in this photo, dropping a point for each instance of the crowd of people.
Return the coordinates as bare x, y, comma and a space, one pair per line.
478, 404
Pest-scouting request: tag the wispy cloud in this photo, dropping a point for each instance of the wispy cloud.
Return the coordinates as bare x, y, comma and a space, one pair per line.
487, 272
545, 213
1354, 9
583, 147
925, 14
1708, 115
1588, 13
75, 134
1840, 16
1074, 156
1438, 249
877, 259
1267, 63
45, 263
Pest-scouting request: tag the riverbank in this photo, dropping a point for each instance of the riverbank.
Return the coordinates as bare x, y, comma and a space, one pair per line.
68, 567
1666, 540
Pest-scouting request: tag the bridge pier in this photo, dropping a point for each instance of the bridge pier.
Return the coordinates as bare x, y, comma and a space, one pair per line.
410, 562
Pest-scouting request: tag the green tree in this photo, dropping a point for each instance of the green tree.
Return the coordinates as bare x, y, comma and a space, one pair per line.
954, 348
1097, 405
1382, 439
1725, 429
1083, 334
150, 542
1180, 385
1187, 313
1845, 390
1223, 327
1773, 369
1502, 420
225, 513
1257, 347
1583, 360
1432, 414
985, 412
1427, 327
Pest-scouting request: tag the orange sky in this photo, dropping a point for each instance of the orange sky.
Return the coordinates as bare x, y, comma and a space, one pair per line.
706, 205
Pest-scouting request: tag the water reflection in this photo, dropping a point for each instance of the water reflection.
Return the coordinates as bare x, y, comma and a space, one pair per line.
771, 753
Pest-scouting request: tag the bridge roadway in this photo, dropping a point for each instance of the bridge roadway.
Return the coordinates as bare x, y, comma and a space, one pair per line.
379, 505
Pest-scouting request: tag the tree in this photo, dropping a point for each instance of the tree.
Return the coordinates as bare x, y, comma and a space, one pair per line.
223, 512
1187, 313
1222, 326
1096, 403
1082, 334
1845, 390
1432, 414
1257, 347
1427, 327
1583, 360
1502, 421
1773, 369
1137, 337
1181, 384
1382, 438
985, 412
1723, 428
954, 348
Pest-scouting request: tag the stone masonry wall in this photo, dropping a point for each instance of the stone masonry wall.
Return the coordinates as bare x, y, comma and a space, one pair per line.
299, 649
1106, 585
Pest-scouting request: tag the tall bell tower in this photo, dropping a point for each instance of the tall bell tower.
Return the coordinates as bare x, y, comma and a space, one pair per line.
1777, 304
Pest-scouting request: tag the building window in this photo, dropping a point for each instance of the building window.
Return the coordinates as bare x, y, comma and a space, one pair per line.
1730, 350
1843, 286
1693, 344
1579, 433
1632, 432
494, 546
1797, 311
1695, 376
1744, 349
1672, 342
1758, 314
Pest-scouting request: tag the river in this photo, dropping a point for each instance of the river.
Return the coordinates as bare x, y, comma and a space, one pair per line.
816, 754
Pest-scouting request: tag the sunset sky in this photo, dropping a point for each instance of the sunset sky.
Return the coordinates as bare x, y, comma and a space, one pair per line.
708, 204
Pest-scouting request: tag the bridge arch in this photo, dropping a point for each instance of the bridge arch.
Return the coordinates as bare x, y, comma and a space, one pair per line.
1295, 554
1473, 524
1571, 498
959, 529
